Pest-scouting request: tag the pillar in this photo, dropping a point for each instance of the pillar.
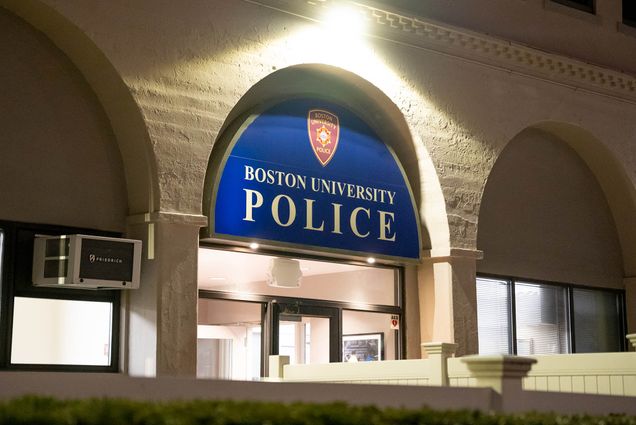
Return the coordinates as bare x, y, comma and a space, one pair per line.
276, 367
448, 298
438, 355
160, 318
502, 373
632, 340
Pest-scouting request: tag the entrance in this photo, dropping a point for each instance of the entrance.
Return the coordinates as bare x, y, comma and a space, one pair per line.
306, 333
293, 177
254, 305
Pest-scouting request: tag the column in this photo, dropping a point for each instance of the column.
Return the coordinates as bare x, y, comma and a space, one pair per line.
160, 318
448, 298
276, 368
438, 355
502, 373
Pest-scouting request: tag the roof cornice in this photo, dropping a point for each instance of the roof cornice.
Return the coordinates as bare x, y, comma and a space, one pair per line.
471, 46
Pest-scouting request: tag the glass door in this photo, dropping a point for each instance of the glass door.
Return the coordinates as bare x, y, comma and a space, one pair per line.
229, 339
306, 333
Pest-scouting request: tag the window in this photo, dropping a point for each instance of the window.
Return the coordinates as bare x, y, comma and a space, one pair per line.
542, 319
584, 5
229, 339
52, 328
61, 332
629, 12
597, 315
528, 318
494, 316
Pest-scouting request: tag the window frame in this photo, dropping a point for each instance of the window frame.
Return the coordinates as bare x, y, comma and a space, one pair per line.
589, 7
14, 254
511, 281
629, 21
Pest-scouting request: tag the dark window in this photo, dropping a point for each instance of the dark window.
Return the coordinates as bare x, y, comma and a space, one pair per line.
597, 317
584, 5
527, 318
45, 328
629, 12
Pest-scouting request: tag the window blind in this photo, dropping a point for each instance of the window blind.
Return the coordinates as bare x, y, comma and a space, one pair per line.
493, 316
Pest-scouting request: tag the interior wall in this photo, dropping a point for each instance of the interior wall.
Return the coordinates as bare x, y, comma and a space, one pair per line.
359, 322
544, 216
319, 339
56, 144
222, 312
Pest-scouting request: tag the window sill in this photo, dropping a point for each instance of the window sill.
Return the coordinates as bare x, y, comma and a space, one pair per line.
629, 30
572, 12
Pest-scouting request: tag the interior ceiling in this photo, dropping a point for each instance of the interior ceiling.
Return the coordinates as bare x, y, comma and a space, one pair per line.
217, 267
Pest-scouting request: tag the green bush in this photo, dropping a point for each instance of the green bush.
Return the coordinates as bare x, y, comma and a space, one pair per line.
49, 411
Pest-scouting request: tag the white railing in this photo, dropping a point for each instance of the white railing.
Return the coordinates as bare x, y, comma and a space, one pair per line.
598, 373
390, 372
430, 371
440, 382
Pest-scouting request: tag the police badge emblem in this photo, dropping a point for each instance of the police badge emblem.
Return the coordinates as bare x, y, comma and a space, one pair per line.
324, 132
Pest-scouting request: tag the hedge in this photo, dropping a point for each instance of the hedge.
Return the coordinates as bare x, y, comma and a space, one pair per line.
49, 411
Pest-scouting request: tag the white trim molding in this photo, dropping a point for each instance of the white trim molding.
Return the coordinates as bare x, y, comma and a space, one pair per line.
421, 33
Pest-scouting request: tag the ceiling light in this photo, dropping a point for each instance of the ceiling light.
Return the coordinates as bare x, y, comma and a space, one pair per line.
254, 245
371, 260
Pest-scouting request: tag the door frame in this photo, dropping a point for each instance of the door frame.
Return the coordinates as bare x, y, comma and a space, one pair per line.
267, 309
304, 307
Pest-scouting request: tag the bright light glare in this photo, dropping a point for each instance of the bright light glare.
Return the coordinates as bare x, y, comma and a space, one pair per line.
371, 260
344, 20
254, 245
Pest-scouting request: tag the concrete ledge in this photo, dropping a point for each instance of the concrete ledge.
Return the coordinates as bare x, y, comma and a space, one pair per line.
80, 386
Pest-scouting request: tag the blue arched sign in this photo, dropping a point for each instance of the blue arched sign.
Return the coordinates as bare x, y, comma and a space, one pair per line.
313, 175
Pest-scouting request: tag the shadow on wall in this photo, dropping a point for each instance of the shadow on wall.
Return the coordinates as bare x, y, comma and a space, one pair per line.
556, 207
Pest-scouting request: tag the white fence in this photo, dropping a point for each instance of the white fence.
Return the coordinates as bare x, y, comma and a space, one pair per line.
442, 382
522, 382
603, 373
597, 373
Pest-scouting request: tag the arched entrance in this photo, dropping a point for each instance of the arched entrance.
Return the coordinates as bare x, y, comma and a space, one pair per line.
314, 274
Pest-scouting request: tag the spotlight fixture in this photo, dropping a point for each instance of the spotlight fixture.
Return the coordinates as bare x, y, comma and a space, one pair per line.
345, 20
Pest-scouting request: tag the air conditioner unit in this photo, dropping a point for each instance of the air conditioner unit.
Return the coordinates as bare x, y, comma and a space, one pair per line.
87, 262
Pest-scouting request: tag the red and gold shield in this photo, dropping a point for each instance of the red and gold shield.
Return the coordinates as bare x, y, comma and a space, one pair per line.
324, 131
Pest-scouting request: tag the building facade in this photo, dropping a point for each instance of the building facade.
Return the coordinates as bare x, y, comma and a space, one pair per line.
511, 123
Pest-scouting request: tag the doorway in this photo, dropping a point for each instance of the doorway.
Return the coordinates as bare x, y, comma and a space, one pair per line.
306, 333
249, 309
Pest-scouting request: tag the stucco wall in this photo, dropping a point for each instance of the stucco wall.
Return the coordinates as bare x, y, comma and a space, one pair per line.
596, 38
544, 216
453, 101
187, 78
60, 163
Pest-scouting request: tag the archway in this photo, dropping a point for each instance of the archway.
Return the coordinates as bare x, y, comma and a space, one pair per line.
114, 96
331, 84
366, 100
554, 230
